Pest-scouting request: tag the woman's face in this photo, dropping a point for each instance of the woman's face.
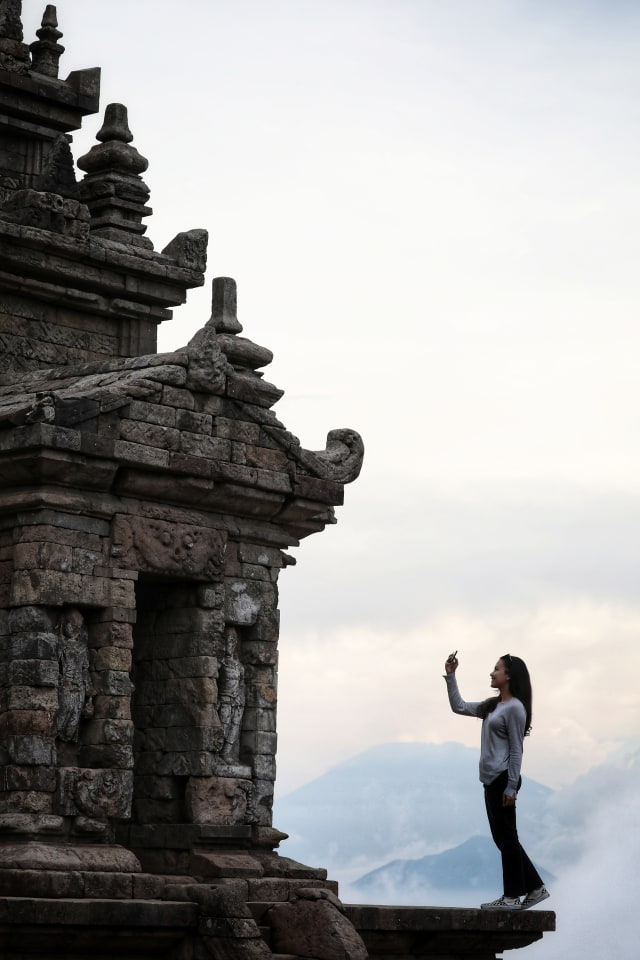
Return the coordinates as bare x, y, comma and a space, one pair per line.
499, 676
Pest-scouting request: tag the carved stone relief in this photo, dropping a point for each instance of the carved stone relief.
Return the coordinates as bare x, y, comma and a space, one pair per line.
75, 695
231, 697
222, 800
157, 546
96, 794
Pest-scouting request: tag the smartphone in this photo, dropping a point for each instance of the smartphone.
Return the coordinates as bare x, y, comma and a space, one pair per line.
452, 656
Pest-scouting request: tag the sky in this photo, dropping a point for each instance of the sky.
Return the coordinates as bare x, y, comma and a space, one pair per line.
432, 212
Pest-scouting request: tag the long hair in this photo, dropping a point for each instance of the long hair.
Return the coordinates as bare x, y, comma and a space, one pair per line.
519, 686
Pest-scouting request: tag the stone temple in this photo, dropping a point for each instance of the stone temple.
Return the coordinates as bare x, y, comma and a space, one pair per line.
147, 502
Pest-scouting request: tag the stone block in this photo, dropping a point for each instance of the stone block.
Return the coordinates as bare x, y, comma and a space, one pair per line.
152, 435
152, 413
269, 889
193, 466
260, 653
49, 884
210, 596
259, 554
115, 683
185, 764
263, 801
67, 521
108, 731
209, 864
188, 739
34, 673
55, 533
264, 767
208, 403
25, 619
259, 742
41, 779
40, 723
113, 708
260, 718
85, 561
28, 803
138, 453
274, 481
198, 445
262, 695
315, 928
32, 698
110, 634
240, 430
220, 800
46, 586
192, 422
236, 928
31, 750
177, 715
114, 756
251, 455
175, 397
148, 887
43, 556
108, 886
267, 627
243, 601
250, 571
111, 658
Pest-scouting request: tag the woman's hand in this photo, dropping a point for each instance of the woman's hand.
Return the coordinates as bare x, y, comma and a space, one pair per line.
508, 801
451, 664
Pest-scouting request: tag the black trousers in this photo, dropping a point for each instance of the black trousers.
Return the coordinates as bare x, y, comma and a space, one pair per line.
518, 873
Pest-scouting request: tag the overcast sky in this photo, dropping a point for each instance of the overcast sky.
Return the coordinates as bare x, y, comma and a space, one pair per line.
432, 211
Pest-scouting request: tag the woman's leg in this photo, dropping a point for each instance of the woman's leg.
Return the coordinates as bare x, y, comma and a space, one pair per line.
518, 873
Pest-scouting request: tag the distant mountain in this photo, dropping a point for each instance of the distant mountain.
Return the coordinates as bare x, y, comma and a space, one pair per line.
463, 875
397, 801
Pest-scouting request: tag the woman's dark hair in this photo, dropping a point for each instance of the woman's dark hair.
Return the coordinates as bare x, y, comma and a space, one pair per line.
519, 686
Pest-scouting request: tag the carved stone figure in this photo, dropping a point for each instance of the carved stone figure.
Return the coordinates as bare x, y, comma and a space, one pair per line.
231, 696
75, 696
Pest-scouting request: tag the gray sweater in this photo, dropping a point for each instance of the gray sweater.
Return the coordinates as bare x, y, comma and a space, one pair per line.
501, 738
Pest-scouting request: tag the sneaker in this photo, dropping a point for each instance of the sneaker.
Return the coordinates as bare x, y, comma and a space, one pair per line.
536, 896
503, 903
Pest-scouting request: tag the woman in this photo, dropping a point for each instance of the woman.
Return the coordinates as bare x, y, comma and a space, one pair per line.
506, 720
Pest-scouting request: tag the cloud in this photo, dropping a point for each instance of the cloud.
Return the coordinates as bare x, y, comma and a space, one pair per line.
343, 690
596, 899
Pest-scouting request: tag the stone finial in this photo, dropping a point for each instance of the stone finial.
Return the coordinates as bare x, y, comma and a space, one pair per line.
224, 306
116, 125
112, 188
113, 154
46, 51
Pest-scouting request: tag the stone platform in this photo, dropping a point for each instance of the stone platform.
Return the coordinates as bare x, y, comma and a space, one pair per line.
216, 921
